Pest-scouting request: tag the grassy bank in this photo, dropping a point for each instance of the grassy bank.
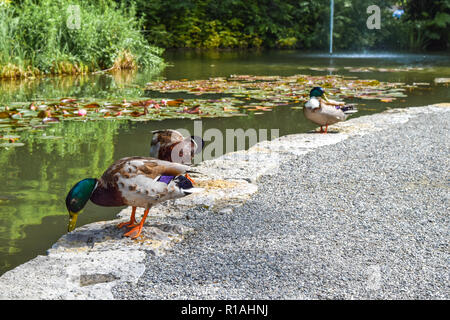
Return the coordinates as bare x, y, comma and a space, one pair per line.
71, 37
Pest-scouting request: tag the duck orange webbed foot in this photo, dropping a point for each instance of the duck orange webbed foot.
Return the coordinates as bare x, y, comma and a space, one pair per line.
130, 223
135, 232
137, 229
323, 131
123, 224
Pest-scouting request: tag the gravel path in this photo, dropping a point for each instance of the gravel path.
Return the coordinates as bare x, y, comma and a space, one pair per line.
365, 218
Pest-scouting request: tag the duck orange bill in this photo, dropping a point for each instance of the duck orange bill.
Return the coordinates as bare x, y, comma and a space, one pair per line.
72, 221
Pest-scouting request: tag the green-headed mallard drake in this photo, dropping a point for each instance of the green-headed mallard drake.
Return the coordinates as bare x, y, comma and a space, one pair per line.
170, 145
323, 111
133, 181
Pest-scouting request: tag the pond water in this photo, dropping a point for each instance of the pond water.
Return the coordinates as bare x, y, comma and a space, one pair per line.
37, 176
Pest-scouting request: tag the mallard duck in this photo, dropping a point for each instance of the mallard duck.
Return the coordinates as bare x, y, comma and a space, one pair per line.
323, 111
133, 181
170, 145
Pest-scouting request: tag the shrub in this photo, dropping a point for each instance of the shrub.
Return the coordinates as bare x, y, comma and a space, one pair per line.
43, 36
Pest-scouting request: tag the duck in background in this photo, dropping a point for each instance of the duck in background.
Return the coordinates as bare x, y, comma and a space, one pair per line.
323, 111
170, 145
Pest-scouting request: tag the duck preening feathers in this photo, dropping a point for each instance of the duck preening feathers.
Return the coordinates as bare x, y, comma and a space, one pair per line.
170, 145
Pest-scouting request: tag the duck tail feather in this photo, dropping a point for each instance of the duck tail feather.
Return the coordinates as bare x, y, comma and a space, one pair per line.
349, 109
194, 190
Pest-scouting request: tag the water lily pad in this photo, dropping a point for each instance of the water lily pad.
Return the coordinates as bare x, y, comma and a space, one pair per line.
9, 136
194, 99
92, 105
13, 145
50, 137
442, 80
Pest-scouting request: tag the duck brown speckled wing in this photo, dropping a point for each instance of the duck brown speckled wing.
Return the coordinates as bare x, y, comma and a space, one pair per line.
145, 166
132, 181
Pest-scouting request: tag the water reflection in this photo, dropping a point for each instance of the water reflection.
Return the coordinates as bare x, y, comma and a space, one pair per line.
95, 86
35, 177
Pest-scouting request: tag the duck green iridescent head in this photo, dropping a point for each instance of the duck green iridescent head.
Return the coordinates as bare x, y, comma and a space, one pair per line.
316, 92
77, 198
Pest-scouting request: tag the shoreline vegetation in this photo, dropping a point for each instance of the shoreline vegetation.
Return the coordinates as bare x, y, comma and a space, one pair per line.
56, 37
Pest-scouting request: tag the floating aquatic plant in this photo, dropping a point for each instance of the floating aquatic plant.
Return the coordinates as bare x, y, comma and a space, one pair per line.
239, 94
278, 90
